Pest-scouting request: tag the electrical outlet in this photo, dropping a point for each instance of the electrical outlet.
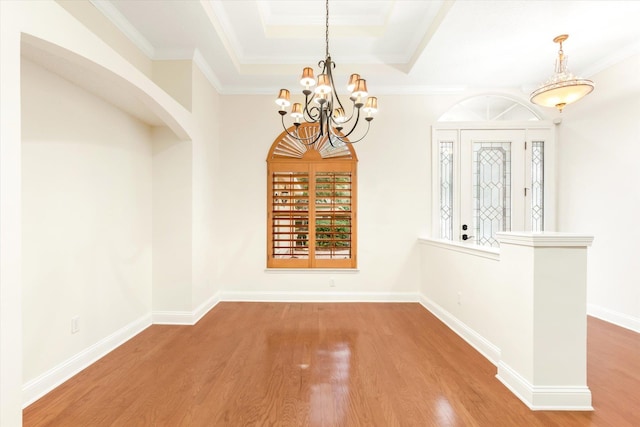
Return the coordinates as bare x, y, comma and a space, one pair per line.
459, 298
75, 324
332, 282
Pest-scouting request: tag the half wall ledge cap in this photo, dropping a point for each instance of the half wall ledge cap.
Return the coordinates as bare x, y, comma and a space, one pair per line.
547, 239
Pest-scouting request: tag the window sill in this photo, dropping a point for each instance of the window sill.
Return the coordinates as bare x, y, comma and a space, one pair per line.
475, 250
311, 270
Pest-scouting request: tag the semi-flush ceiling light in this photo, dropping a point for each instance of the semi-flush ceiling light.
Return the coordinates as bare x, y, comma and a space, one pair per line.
323, 107
562, 88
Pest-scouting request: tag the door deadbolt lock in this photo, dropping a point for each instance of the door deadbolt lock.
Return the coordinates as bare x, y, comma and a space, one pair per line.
464, 227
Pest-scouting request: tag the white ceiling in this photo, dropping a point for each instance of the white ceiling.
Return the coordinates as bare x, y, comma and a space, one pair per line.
399, 46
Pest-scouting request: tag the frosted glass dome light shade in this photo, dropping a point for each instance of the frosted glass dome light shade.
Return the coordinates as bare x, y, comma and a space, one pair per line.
562, 88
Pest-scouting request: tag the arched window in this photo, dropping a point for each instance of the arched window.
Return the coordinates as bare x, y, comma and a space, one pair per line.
311, 203
489, 108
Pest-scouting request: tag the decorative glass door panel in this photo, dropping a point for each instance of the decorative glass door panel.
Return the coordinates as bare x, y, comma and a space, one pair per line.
489, 176
491, 190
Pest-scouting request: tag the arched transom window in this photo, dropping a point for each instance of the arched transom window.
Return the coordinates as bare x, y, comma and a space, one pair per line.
311, 203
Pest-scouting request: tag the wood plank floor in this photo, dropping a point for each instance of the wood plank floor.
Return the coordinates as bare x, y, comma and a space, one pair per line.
283, 364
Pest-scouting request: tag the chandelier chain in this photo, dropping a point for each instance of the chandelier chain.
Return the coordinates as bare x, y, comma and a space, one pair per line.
326, 26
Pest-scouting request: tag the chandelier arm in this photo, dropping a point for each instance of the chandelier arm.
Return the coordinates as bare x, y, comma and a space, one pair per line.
354, 125
334, 92
342, 138
309, 117
313, 118
323, 123
333, 85
322, 64
353, 110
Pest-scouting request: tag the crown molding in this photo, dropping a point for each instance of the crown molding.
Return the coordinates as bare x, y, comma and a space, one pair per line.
208, 72
214, 11
388, 91
114, 15
615, 57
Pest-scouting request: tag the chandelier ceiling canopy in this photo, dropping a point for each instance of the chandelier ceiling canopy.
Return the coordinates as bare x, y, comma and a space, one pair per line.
563, 87
322, 105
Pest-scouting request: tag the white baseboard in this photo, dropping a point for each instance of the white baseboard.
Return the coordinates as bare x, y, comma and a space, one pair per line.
320, 296
172, 317
185, 317
617, 318
545, 398
205, 307
38, 387
41, 385
477, 341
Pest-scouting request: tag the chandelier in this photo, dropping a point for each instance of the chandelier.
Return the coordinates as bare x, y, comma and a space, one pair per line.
323, 108
562, 88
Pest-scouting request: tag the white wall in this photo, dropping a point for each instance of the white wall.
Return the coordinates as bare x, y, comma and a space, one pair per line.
598, 188
393, 200
186, 201
76, 52
523, 307
467, 287
86, 219
39, 24
172, 207
207, 199
10, 221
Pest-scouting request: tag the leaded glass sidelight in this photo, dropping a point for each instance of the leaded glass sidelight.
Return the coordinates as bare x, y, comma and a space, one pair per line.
446, 190
537, 186
491, 190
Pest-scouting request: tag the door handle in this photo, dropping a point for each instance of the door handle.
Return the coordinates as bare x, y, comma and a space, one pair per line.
466, 237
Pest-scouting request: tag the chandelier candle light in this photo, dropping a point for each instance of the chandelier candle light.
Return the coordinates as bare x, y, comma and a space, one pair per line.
562, 88
323, 107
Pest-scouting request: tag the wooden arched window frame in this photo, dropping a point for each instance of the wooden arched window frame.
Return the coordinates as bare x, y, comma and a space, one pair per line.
311, 203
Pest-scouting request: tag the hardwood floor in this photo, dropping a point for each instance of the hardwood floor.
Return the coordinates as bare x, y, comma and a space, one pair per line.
284, 364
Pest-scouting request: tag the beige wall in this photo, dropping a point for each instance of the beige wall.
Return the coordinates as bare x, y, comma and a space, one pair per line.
175, 77
86, 219
207, 243
102, 271
598, 193
10, 221
393, 201
86, 13
172, 208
